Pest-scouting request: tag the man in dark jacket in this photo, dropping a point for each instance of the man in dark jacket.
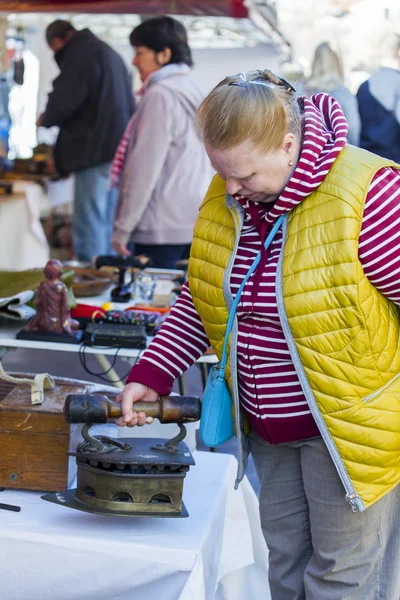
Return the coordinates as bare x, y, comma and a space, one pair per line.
379, 103
91, 102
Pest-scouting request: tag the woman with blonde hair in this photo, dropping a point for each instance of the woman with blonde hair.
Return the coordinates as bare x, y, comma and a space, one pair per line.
314, 353
327, 75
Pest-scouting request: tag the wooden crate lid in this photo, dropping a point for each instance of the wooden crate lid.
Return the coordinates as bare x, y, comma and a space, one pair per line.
17, 397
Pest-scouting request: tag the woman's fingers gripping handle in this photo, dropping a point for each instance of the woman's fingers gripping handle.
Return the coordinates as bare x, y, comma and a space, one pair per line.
133, 392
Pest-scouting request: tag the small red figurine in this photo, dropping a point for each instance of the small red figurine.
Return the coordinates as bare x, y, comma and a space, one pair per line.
51, 300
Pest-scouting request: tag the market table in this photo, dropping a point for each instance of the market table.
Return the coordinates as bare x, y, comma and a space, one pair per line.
23, 244
8, 341
49, 552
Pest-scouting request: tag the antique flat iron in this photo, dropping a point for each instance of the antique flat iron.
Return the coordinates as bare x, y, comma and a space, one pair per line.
129, 477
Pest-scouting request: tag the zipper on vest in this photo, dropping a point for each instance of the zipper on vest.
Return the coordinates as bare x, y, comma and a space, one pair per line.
242, 456
354, 501
377, 392
226, 283
352, 497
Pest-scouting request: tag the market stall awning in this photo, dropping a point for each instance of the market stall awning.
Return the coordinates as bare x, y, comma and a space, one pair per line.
221, 8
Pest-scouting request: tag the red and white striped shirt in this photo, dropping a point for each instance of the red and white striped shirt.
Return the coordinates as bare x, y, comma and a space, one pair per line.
270, 391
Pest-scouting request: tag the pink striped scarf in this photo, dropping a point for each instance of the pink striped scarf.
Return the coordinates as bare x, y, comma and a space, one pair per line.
118, 163
119, 159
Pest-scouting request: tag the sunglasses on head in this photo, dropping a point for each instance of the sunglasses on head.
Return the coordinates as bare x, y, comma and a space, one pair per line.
281, 82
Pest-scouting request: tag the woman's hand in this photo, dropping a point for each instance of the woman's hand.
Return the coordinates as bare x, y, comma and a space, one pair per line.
131, 393
120, 248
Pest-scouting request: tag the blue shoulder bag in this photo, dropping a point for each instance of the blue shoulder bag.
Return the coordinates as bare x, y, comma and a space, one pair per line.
216, 421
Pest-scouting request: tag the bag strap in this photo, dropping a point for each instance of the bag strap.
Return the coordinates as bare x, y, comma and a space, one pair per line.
267, 243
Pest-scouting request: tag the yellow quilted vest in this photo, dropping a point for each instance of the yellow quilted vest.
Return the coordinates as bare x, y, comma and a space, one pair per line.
344, 336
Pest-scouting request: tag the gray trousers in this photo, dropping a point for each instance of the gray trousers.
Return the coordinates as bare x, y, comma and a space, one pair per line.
319, 549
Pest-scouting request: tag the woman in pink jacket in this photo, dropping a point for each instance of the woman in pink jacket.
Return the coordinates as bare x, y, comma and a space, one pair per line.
161, 168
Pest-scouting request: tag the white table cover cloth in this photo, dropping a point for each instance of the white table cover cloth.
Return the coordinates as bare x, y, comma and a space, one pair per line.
23, 244
48, 552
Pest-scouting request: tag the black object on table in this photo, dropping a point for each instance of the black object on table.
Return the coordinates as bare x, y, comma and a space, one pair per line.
50, 336
113, 334
11, 507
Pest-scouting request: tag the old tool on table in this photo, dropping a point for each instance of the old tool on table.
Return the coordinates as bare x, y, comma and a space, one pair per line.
129, 476
99, 409
122, 293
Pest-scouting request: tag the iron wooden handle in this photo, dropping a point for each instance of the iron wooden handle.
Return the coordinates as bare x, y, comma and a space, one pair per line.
80, 408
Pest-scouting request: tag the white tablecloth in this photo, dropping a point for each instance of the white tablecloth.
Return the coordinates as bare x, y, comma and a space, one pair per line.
23, 244
48, 552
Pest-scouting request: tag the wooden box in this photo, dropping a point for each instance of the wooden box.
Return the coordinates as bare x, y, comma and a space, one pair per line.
35, 439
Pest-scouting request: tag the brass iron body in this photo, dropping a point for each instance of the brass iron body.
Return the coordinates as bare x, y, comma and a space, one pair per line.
140, 477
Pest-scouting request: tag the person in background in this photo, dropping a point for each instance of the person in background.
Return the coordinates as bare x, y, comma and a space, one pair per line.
379, 103
314, 353
327, 75
294, 73
161, 168
91, 102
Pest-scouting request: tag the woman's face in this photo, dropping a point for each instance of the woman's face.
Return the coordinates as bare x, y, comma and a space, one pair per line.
147, 61
251, 173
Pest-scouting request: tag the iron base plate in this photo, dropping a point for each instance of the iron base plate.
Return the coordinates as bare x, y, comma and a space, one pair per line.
69, 499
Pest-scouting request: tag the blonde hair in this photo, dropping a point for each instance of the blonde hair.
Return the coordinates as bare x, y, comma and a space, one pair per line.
256, 106
326, 63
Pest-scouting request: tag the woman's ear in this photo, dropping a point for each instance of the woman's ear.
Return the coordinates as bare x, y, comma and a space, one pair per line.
164, 56
289, 145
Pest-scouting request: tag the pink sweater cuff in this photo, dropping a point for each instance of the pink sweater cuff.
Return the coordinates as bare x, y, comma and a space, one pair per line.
148, 374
